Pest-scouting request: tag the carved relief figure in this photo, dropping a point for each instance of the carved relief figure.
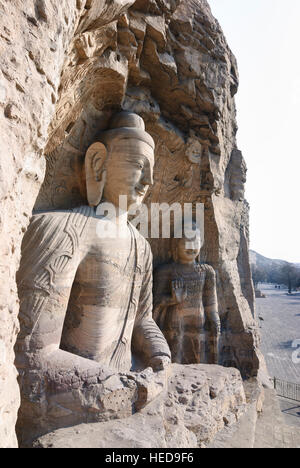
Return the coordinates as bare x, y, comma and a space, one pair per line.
185, 303
86, 301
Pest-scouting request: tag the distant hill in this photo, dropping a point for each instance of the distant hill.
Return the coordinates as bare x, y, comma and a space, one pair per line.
267, 263
274, 271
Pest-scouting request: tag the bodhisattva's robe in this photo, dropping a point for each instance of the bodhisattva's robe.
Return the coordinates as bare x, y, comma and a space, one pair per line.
190, 327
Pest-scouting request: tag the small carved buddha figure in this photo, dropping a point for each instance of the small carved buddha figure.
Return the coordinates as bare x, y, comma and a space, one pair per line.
86, 298
185, 303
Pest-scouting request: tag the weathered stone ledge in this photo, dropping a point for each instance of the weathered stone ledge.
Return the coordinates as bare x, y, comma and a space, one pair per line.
198, 402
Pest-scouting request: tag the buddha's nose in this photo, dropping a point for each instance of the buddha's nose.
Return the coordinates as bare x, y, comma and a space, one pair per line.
147, 178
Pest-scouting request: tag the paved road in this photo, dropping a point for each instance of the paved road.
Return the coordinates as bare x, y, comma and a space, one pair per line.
280, 328
273, 429
291, 411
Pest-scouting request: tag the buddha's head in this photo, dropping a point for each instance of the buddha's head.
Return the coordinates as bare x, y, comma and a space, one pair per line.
121, 163
187, 249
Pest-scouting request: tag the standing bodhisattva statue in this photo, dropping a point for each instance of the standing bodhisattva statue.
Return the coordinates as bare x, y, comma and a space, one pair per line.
185, 303
86, 300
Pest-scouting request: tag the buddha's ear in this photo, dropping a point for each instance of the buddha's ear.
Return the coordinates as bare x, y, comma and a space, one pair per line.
95, 172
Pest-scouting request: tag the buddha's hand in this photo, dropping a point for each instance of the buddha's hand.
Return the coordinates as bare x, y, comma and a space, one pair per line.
159, 363
179, 291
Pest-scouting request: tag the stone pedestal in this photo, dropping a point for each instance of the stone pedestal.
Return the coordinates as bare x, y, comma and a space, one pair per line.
198, 402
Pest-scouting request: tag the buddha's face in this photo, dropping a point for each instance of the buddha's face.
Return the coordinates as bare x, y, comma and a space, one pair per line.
129, 171
188, 248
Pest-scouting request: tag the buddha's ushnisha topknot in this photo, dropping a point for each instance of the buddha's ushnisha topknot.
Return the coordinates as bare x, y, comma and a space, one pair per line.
126, 125
126, 119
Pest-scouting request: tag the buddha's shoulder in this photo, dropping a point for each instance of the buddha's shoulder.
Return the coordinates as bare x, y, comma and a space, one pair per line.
54, 223
209, 270
67, 214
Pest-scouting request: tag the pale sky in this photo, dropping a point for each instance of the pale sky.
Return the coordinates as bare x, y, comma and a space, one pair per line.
264, 35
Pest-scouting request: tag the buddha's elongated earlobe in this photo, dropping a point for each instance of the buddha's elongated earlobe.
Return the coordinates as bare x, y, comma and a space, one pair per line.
95, 170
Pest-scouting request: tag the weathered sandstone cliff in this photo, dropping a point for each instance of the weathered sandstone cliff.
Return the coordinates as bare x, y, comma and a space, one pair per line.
65, 67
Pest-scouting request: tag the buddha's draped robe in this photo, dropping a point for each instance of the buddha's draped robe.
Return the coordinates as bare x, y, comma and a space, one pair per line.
76, 295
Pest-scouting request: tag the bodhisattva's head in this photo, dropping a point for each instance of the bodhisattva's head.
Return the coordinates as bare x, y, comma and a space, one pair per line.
122, 163
187, 249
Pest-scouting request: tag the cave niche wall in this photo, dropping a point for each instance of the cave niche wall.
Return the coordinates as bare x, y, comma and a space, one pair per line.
83, 60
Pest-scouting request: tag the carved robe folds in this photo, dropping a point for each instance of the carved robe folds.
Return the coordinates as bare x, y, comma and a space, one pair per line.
103, 316
191, 327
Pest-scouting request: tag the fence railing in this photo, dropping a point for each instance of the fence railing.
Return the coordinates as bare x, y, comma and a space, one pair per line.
287, 389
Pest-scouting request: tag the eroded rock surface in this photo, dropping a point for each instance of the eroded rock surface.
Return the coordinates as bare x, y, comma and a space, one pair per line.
65, 67
199, 402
